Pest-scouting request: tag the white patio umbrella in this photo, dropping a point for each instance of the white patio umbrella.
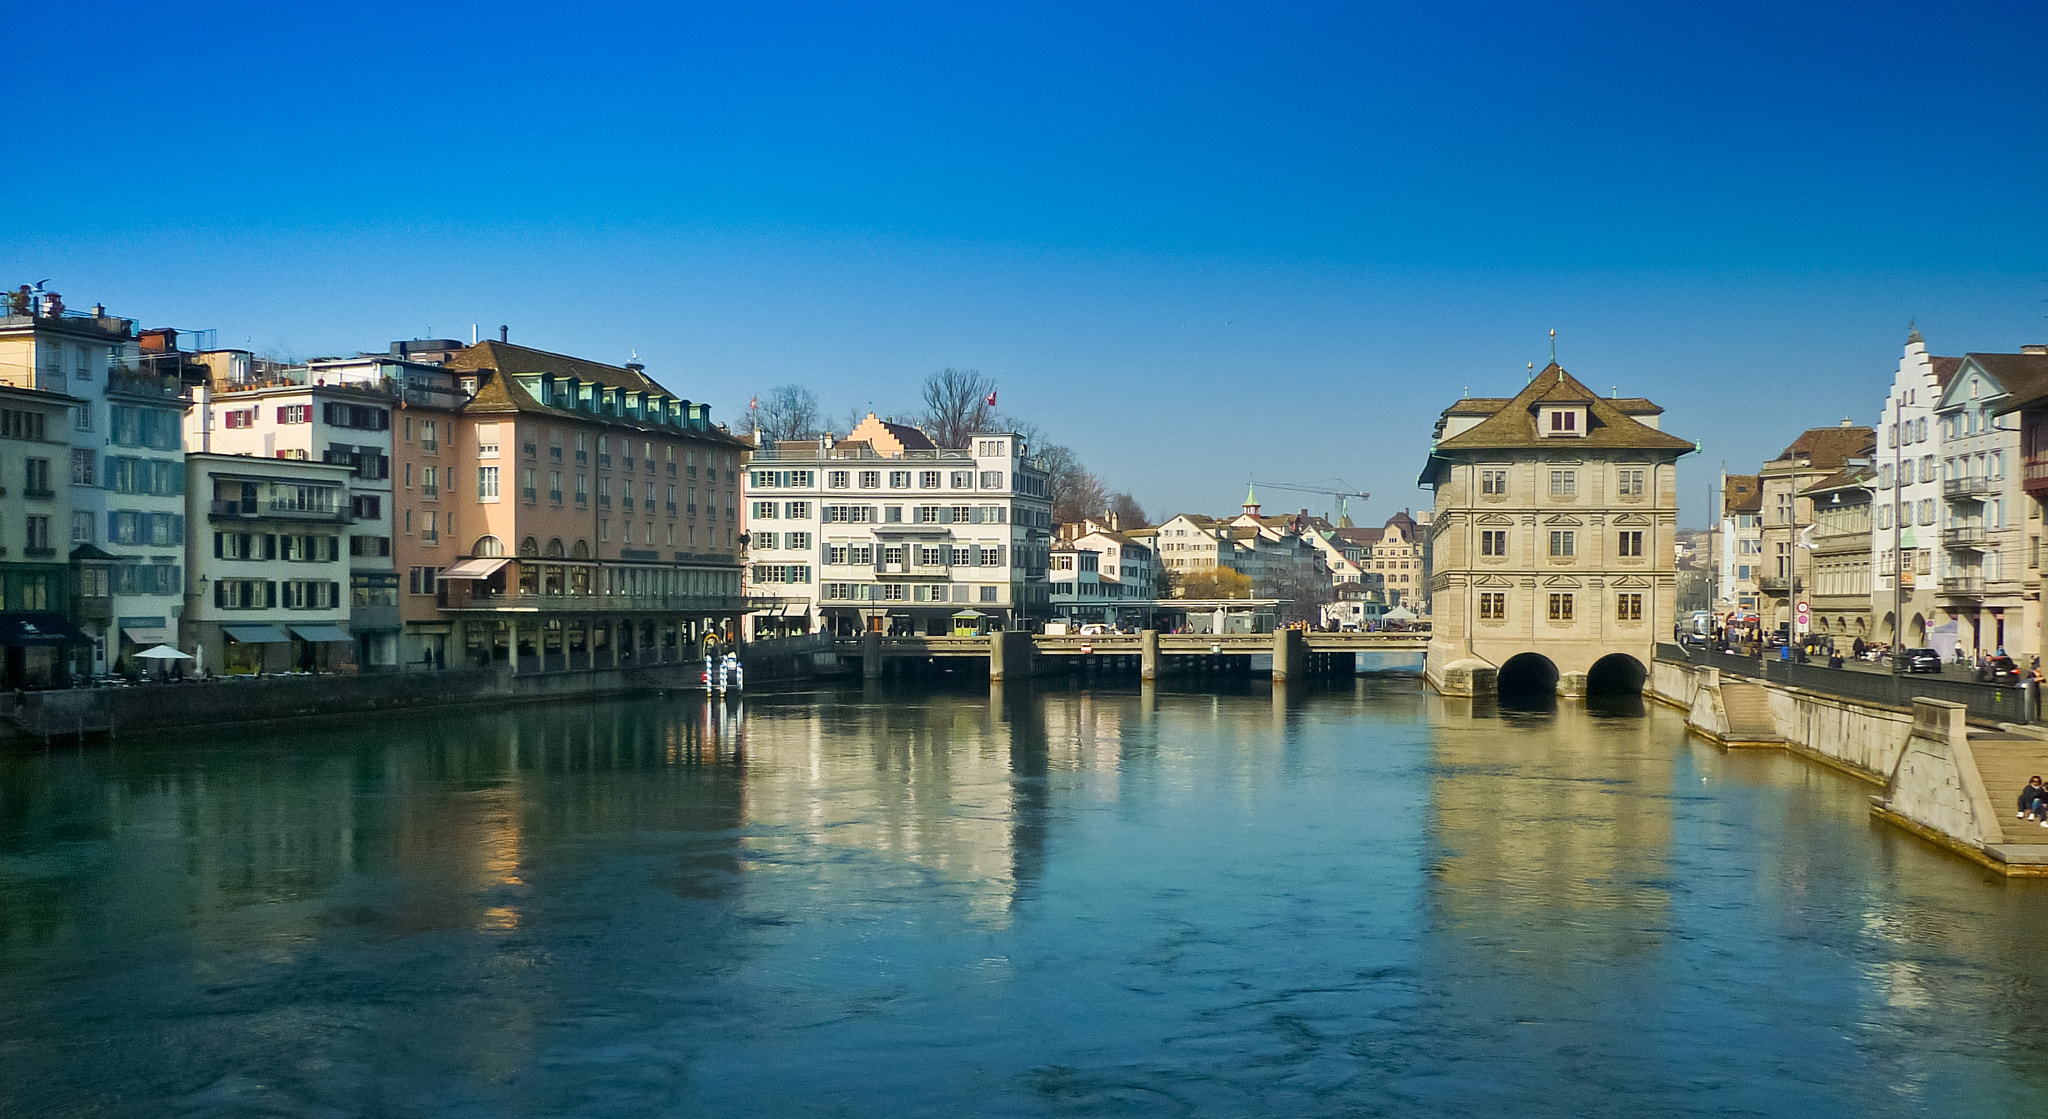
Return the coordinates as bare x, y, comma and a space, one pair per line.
163, 653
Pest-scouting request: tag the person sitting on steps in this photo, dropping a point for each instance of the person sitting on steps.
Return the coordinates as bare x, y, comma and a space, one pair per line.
2034, 801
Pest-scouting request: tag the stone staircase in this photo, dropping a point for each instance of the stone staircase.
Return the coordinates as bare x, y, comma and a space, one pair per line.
2005, 761
1748, 708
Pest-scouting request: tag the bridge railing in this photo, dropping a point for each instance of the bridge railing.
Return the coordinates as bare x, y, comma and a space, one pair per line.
1989, 702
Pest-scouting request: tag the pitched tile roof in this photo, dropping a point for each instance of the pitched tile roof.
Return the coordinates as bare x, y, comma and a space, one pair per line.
1513, 425
1847, 478
890, 439
1742, 493
1945, 369
1830, 448
504, 394
2020, 375
510, 359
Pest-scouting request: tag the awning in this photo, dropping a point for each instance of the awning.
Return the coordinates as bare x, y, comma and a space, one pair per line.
147, 636
37, 628
255, 635
474, 569
321, 633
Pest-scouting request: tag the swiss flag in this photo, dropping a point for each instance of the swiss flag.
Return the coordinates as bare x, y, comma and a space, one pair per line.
991, 398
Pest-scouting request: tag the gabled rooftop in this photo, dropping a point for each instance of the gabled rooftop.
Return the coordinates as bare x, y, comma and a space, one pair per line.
1512, 425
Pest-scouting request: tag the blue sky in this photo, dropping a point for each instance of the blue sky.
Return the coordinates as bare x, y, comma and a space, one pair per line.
1198, 243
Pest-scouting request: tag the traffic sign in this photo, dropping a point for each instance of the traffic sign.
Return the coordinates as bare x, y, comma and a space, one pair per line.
1803, 611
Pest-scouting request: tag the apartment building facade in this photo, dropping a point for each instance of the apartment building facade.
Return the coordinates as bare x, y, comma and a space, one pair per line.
271, 567
560, 513
298, 413
1555, 514
124, 472
1787, 507
1905, 530
885, 531
1987, 591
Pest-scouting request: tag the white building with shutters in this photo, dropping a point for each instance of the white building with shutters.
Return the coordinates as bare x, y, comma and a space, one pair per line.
883, 530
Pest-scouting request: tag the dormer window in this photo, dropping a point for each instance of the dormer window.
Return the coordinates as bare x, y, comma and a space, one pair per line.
1562, 422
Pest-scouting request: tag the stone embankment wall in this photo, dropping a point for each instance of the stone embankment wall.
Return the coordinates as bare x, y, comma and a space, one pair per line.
35, 716
1924, 759
1937, 789
1859, 737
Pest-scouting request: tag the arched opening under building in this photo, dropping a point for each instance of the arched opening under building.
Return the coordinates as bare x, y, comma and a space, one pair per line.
1916, 632
1616, 674
1527, 678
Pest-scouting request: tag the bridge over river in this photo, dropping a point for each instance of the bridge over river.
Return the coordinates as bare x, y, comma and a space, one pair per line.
1014, 655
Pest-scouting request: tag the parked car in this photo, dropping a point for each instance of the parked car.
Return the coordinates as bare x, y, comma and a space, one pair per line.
1923, 660
1998, 669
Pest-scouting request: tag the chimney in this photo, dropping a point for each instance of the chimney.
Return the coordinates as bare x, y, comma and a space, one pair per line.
504, 334
2036, 349
1847, 422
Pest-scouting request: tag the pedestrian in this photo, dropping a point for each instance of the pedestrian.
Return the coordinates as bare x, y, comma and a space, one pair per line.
2034, 801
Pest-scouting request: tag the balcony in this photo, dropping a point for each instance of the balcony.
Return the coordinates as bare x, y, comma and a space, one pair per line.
276, 511
1963, 536
39, 493
1968, 586
92, 608
1972, 488
1771, 584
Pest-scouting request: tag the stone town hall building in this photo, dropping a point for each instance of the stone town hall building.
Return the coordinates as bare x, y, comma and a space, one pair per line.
1553, 538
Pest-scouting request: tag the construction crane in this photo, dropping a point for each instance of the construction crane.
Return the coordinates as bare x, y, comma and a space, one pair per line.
1342, 495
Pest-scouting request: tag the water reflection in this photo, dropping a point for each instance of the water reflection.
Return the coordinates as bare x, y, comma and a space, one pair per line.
877, 900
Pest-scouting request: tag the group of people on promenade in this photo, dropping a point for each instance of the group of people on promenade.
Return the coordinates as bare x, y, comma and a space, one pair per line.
2034, 801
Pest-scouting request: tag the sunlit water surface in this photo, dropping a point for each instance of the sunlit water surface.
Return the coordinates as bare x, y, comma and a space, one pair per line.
1359, 901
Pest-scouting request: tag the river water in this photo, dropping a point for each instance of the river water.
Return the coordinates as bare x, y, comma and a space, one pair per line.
1351, 900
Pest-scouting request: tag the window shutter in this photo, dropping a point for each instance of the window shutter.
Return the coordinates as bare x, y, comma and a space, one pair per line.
216, 546
220, 593
270, 594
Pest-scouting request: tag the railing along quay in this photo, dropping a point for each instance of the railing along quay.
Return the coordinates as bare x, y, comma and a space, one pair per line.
1998, 703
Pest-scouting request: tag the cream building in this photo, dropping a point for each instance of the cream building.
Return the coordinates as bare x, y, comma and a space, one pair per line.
1985, 593
1788, 528
1909, 495
1552, 558
271, 565
885, 531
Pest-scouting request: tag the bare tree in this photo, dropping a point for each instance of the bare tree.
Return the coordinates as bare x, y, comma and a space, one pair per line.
1128, 512
956, 405
1302, 589
1082, 495
785, 412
